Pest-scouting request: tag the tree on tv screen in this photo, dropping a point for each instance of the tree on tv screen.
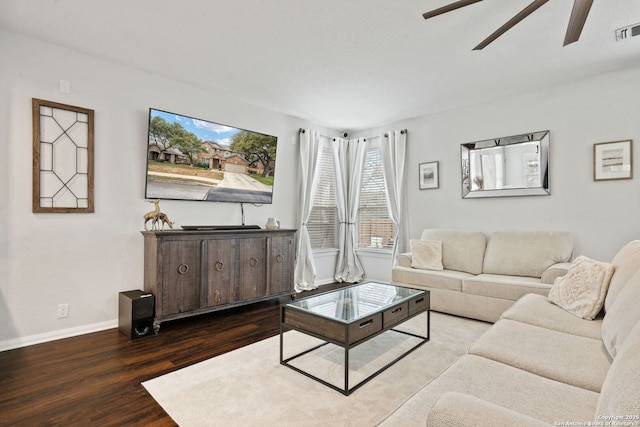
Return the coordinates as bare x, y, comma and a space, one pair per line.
256, 148
172, 135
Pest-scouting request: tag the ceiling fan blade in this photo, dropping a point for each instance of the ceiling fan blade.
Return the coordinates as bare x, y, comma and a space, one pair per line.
448, 8
511, 23
576, 22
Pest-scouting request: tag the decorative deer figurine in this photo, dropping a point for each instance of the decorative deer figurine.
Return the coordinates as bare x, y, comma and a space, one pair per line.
163, 219
153, 215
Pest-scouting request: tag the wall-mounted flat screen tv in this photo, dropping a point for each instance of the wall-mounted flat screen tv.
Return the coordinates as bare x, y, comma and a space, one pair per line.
194, 159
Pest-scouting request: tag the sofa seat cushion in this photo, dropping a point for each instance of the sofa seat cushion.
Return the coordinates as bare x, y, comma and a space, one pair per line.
621, 389
461, 250
626, 263
536, 310
477, 413
526, 253
468, 305
570, 359
445, 279
622, 316
505, 287
500, 384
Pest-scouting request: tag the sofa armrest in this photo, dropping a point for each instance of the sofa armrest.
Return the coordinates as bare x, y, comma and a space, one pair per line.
404, 260
458, 409
554, 271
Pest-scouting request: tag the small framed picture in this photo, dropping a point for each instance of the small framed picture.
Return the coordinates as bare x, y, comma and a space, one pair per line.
428, 175
612, 160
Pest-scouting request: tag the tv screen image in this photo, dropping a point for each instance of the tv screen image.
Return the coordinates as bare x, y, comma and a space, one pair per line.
194, 159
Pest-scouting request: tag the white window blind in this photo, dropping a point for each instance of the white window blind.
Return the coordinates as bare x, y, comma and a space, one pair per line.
375, 228
323, 221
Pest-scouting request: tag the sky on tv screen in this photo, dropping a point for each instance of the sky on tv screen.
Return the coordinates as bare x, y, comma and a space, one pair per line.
206, 131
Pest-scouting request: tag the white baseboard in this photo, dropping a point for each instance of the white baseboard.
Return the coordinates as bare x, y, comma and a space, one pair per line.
56, 335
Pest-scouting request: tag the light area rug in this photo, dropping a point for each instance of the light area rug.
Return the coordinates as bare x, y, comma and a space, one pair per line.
249, 387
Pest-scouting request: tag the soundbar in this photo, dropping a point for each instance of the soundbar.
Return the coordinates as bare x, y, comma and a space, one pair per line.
220, 227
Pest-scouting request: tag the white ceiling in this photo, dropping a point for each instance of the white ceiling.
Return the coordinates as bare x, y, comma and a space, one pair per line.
346, 64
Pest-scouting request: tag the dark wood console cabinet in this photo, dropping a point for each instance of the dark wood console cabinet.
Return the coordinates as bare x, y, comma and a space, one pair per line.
196, 272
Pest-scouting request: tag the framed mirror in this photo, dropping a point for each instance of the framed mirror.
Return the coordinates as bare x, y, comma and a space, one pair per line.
509, 166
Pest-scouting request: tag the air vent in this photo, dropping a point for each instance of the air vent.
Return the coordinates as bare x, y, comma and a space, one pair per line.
626, 32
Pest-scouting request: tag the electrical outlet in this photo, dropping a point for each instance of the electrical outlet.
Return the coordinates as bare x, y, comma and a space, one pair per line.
63, 310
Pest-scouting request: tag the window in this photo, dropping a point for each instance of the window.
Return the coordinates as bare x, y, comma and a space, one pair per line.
375, 228
323, 221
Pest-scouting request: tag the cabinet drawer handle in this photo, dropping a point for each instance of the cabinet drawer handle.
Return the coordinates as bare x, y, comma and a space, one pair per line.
419, 300
279, 258
219, 266
397, 310
253, 262
183, 269
367, 323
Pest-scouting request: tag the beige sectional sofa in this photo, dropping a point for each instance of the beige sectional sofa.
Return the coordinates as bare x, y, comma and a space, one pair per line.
540, 365
483, 276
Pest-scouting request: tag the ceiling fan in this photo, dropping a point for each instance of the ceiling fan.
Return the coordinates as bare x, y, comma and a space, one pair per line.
576, 22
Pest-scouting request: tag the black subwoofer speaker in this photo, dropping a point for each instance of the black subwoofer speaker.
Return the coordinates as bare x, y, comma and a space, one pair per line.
135, 314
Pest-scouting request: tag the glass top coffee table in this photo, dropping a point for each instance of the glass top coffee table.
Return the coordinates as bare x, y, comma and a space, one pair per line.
350, 316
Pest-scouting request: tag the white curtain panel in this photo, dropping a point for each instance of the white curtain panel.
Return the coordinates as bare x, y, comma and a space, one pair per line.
393, 148
305, 271
349, 161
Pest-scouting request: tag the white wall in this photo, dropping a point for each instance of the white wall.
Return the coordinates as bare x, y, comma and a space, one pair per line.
376, 265
601, 215
86, 259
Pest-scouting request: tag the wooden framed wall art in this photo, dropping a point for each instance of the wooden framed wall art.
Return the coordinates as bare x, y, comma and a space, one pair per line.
62, 158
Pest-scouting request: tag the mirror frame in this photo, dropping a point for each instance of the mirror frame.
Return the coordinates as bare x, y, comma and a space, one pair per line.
543, 190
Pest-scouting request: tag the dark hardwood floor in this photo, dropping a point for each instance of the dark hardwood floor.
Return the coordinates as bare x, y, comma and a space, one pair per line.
95, 379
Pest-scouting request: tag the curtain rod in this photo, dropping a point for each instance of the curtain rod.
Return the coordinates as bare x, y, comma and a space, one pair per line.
321, 136
403, 131
386, 135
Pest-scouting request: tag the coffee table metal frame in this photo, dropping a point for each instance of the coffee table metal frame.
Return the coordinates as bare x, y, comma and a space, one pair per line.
421, 301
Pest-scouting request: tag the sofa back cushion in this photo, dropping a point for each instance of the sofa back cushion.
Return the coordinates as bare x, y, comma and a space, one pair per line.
626, 263
526, 253
461, 250
620, 394
622, 316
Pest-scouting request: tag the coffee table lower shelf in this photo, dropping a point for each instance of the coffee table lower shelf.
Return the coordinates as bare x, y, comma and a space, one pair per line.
346, 390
